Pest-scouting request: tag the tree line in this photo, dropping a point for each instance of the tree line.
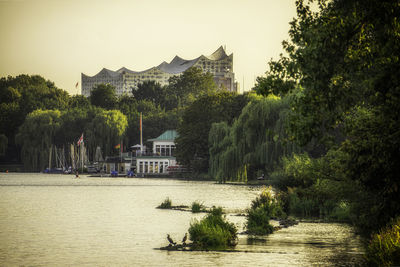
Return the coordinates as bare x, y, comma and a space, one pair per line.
329, 123
36, 115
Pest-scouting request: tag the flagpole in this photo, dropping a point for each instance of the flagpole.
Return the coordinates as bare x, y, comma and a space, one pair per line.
141, 134
82, 144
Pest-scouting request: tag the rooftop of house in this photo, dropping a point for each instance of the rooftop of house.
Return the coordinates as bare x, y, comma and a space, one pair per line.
168, 135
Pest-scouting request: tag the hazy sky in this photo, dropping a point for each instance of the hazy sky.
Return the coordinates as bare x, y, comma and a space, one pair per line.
61, 39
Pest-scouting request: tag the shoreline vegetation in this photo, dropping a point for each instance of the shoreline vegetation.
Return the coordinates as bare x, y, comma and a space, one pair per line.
215, 233
321, 126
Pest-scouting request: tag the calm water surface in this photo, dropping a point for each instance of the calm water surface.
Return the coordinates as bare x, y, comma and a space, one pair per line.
57, 220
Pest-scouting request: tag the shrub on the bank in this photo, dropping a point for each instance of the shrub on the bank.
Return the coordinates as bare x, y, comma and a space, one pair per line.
213, 232
166, 204
197, 207
258, 222
384, 247
263, 208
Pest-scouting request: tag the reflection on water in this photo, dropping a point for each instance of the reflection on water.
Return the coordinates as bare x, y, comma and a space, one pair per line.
56, 220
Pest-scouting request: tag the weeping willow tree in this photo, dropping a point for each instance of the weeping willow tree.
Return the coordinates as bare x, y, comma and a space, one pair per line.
36, 138
3, 144
106, 130
255, 143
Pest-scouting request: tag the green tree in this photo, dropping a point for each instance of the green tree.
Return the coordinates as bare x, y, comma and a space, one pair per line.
79, 101
20, 96
184, 89
104, 96
343, 61
151, 91
36, 137
255, 142
3, 144
106, 130
23, 94
192, 143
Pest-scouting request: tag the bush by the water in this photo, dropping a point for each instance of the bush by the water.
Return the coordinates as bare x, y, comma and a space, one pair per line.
197, 207
166, 204
263, 208
213, 232
384, 247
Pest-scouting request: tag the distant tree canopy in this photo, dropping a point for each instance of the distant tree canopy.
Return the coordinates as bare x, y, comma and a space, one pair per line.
162, 108
79, 101
23, 94
104, 96
36, 136
255, 142
183, 89
192, 143
3, 144
150, 91
44, 129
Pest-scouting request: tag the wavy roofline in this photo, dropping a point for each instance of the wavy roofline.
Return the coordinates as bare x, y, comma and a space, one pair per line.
175, 66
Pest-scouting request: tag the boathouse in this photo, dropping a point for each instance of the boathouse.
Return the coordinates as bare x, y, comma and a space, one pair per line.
162, 156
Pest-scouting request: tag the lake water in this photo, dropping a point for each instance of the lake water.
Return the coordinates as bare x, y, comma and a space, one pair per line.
57, 220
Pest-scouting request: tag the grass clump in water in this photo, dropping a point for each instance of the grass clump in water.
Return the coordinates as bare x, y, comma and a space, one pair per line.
213, 232
166, 204
384, 247
262, 209
197, 207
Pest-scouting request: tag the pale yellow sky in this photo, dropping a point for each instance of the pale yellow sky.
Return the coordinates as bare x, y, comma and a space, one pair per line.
60, 39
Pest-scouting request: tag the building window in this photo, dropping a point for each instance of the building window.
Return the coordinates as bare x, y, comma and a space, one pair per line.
156, 167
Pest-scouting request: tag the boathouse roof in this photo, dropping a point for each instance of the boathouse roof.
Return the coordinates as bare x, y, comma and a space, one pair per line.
168, 135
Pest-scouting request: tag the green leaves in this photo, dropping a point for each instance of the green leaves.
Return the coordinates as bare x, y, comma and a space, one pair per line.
36, 135
255, 142
192, 143
104, 96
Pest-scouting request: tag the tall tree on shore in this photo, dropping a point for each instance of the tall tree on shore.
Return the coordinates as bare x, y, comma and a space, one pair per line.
254, 143
36, 137
106, 130
343, 60
192, 143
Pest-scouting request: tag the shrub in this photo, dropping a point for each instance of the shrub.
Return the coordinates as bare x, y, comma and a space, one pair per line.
258, 222
197, 207
262, 209
384, 247
166, 204
213, 232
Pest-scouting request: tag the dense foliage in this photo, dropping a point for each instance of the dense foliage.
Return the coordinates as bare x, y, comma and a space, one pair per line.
21, 95
104, 119
384, 247
263, 208
192, 143
342, 70
213, 232
253, 144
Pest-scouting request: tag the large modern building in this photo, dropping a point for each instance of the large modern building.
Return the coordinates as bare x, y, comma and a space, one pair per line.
219, 64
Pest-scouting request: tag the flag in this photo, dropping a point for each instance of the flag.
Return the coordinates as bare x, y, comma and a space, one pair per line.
118, 146
80, 140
